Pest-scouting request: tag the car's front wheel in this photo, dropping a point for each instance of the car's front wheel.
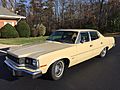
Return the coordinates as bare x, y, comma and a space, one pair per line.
56, 70
103, 52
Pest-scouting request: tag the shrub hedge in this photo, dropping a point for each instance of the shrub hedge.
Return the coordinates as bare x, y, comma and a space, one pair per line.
34, 32
8, 31
41, 30
23, 29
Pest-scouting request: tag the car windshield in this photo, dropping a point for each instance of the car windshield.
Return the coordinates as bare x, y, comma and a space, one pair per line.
63, 36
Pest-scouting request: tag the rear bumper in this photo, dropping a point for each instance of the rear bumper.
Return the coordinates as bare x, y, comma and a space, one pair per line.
16, 69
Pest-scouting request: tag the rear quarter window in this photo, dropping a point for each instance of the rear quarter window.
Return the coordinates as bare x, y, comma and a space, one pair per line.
94, 35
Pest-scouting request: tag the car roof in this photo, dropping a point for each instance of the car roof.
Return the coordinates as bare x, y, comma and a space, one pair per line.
77, 30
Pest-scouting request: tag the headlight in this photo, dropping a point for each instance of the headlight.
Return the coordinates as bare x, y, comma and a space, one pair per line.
34, 63
22, 61
27, 61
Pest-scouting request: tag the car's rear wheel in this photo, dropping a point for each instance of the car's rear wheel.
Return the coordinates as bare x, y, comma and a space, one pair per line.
103, 53
56, 70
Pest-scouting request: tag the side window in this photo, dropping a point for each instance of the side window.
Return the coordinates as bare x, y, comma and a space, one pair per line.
94, 35
84, 37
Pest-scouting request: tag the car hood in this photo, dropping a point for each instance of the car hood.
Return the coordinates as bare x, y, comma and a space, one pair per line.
35, 51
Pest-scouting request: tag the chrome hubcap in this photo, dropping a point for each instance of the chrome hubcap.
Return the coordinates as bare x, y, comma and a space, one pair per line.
59, 68
103, 52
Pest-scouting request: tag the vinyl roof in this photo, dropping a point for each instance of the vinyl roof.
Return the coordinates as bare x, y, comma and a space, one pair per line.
5, 13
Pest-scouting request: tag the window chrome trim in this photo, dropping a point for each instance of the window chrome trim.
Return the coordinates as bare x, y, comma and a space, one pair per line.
78, 38
89, 36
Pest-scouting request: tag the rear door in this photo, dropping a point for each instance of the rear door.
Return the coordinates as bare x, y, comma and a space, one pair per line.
84, 48
96, 42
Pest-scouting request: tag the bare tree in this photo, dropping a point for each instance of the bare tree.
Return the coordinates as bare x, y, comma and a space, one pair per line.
97, 14
4, 3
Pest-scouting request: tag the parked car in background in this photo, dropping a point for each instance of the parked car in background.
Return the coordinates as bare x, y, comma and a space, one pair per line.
64, 48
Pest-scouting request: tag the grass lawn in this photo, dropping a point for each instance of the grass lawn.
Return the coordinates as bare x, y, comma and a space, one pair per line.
19, 41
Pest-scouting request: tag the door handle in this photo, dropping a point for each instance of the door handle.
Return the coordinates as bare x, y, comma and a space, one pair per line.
101, 42
91, 45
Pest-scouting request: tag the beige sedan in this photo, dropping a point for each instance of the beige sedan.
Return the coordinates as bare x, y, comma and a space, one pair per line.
64, 48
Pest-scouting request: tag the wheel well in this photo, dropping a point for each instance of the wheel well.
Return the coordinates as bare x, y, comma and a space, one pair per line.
107, 47
66, 61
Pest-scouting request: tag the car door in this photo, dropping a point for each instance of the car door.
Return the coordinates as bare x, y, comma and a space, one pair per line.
96, 42
84, 47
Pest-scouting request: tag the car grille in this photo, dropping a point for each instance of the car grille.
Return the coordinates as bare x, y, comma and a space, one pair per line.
21, 61
13, 58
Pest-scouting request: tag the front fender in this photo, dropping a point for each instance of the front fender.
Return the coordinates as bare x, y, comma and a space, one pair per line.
50, 62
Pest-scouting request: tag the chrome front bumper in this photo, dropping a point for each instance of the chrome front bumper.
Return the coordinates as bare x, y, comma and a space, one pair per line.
12, 66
